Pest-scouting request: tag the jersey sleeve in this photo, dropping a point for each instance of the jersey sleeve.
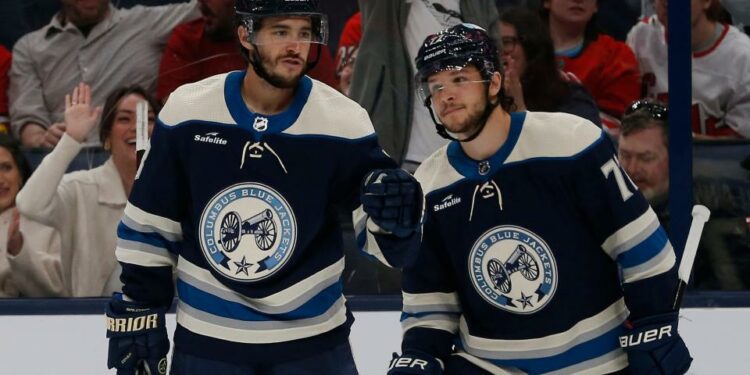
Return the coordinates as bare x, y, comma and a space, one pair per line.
627, 228
150, 232
431, 307
363, 156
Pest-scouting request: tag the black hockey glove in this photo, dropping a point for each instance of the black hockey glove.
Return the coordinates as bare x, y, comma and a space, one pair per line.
138, 342
654, 346
414, 362
393, 200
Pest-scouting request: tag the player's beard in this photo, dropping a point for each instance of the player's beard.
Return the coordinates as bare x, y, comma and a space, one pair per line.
277, 80
469, 126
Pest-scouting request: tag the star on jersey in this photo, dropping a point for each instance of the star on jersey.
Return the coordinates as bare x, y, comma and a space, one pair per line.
242, 266
525, 301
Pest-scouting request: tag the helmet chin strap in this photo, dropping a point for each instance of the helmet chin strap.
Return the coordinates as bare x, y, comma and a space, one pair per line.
443, 132
256, 62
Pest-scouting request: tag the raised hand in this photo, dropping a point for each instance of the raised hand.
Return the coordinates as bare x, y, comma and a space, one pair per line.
80, 116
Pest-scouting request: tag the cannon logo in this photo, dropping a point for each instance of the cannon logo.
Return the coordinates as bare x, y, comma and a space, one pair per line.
248, 232
513, 269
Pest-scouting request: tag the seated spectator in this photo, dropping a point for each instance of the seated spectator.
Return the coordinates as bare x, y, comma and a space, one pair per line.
28, 268
208, 46
5, 61
606, 67
91, 42
346, 54
531, 74
720, 68
643, 151
86, 206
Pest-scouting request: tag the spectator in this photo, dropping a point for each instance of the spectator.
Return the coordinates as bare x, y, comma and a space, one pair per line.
393, 31
91, 42
347, 51
86, 206
643, 151
531, 74
607, 68
720, 68
29, 268
207, 46
5, 61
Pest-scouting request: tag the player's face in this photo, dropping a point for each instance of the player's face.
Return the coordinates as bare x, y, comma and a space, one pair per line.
10, 180
122, 136
512, 48
461, 99
85, 12
283, 45
644, 156
219, 17
571, 11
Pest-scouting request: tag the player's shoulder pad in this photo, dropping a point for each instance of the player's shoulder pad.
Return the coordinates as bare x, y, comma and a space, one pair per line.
330, 113
436, 172
554, 135
198, 101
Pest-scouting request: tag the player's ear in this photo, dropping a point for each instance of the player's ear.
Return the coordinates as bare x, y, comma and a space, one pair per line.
496, 82
242, 34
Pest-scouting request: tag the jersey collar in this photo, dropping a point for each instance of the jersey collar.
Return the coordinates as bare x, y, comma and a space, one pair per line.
254, 122
484, 169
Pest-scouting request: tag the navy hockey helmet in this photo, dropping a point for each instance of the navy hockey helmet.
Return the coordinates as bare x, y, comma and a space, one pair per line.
251, 12
453, 49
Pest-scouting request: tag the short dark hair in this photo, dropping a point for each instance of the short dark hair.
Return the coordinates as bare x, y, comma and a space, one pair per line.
113, 100
14, 148
642, 119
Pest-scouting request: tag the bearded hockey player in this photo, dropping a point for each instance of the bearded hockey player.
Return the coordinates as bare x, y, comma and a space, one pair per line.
528, 216
235, 198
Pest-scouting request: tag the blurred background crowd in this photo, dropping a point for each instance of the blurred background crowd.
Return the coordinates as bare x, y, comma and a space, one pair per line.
72, 73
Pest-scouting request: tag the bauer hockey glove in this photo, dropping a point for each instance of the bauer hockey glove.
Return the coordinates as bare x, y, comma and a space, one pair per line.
414, 362
138, 342
393, 200
654, 346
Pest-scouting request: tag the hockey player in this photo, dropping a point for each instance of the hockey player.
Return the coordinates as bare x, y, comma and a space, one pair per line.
235, 198
527, 217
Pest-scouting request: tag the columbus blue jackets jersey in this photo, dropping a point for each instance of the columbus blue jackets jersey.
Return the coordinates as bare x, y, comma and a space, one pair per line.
523, 254
240, 206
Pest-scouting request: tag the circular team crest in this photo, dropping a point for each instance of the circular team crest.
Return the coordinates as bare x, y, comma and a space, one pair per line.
248, 232
513, 269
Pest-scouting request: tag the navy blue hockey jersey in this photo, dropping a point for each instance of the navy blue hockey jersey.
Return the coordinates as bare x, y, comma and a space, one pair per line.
241, 207
519, 262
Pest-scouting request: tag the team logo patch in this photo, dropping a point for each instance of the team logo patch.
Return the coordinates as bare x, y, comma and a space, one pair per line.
248, 232
513, 269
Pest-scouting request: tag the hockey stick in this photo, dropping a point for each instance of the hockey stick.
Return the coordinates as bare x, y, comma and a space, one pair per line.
141, 130
700, 217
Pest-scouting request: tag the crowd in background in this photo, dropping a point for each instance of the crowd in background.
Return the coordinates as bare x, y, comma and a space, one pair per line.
74, 83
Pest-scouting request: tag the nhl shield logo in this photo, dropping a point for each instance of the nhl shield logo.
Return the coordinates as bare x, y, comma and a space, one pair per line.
513, 269
248, 232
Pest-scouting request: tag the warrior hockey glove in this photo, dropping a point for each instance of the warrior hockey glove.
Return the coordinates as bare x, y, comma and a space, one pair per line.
654, 346
138, 342
414, 362
393, 200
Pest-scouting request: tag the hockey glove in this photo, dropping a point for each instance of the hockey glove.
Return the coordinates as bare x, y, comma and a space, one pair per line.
414, 362
138, 342
654, 346
393, 200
